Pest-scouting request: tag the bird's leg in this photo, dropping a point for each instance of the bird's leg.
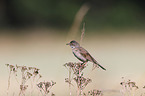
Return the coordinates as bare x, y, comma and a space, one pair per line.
83, 64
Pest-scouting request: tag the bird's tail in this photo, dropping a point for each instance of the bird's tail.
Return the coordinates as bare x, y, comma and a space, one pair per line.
97, 65
101, 66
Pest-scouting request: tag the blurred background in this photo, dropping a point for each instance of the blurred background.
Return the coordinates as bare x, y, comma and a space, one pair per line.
35, 33
60, 14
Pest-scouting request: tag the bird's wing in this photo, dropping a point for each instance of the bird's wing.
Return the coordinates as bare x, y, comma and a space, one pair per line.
87, 55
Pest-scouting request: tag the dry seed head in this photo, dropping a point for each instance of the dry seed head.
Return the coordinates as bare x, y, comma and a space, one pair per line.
7, 65
87, 81
14, 69
23, 87
30, 68
40, 84
95, 92
40, 76
52, 94
82, 81
129, 84
69, 64
24, 68
76, 67
24, 78
36, 71
67, 80
53, 83
18, 66
11, 67
29, 74
45, 86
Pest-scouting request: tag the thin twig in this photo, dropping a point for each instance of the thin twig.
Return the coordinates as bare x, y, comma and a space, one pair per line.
83, 33
77, 21
70, 81
8, 83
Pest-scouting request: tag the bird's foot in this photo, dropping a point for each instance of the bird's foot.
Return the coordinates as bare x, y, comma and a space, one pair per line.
83, 64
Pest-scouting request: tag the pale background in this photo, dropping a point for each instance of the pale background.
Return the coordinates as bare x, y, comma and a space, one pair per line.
123, 55
35, 32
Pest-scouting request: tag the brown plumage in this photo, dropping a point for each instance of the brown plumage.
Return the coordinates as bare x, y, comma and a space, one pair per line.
82, 54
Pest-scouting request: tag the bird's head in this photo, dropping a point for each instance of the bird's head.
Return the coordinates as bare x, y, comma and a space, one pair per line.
73, 44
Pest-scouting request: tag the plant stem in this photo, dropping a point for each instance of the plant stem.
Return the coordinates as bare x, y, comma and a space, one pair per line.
8, 83
70, 81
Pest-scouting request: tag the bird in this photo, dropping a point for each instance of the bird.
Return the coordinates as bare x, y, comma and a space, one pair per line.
82, 54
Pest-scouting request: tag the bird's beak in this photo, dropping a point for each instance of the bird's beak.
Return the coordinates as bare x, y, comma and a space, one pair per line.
68, 44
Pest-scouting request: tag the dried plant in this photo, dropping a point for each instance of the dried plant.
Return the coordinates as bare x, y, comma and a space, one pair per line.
76, 74
95, 93
23, 89
26, 73
75, 67
45, 87
11, 70
82, 82
143, 94
128, 87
